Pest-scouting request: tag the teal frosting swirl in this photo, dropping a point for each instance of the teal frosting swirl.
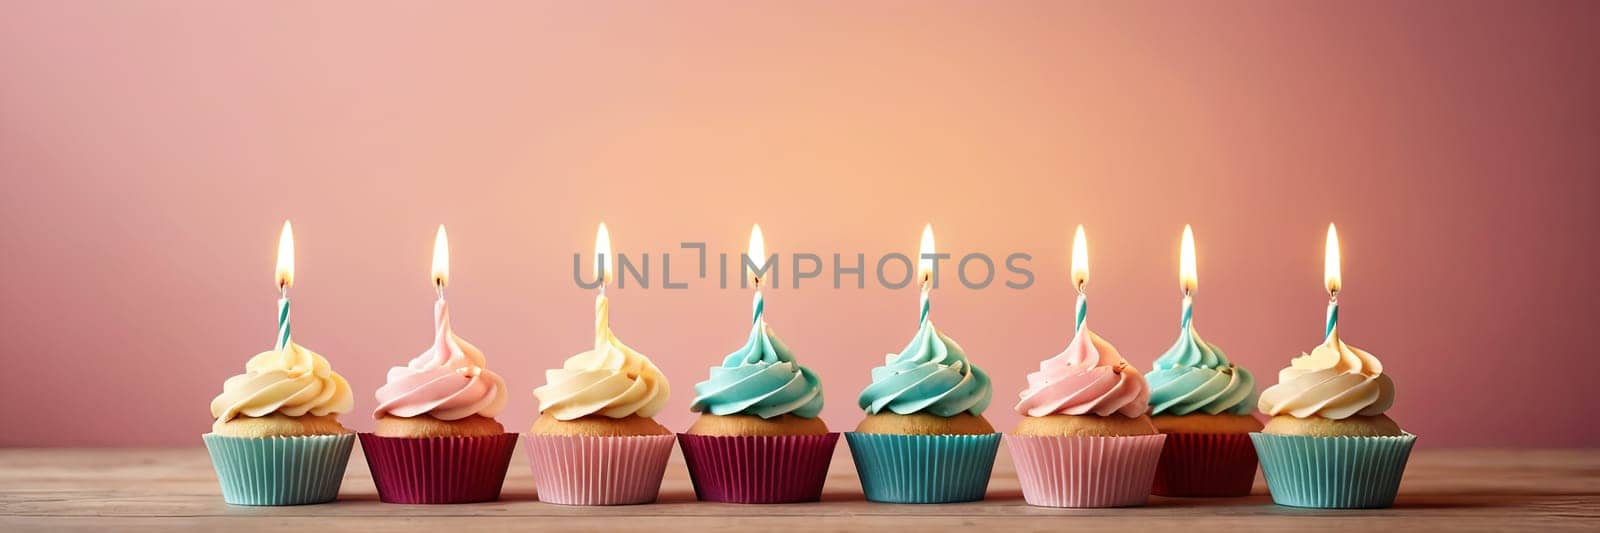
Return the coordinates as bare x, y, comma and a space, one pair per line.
931, 375
1195, 376
760, 379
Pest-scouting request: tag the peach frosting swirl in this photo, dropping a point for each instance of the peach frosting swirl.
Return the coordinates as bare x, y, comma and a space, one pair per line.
611, 380
447, 382
292, 381
1088, 378
1334, 381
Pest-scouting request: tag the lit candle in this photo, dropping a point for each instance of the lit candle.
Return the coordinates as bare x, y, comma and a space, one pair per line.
758, 257
285, 279
1330, 276
441, 261
1080, 274
1188, 277
925, 268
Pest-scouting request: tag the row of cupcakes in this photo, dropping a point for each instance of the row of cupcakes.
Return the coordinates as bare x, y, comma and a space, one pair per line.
1095, 433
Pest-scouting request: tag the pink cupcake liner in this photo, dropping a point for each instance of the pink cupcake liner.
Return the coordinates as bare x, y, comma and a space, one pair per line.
758, 469
1206, 465
1085, 471
579, 470
438, 469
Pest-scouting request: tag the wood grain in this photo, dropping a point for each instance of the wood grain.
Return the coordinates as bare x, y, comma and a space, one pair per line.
168, 489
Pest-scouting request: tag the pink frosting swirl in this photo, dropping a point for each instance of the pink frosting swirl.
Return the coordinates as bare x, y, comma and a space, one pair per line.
1089, 377
447, 382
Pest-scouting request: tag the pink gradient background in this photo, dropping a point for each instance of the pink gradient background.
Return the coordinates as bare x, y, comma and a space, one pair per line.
150, 151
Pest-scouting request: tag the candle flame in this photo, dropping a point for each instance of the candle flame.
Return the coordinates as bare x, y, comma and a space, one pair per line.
1080, 258
441, 258
1330, 264
602, 254
1188, 277
757, 252
285, 273
925, 264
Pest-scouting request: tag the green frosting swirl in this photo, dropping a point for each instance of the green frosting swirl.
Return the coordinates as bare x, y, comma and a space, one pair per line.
1195, 376
931, 375
760, 379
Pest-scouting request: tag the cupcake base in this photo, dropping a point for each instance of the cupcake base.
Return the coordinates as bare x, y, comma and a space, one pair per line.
1333, 472
1086, 471
280, 470
585, 470
435, 470
1206, 465
758, 469
923, 468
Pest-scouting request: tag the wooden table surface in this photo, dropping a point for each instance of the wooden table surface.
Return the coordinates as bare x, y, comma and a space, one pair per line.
167, 489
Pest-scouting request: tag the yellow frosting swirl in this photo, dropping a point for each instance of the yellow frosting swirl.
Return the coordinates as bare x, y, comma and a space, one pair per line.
292, 381
610, 380
1334, 381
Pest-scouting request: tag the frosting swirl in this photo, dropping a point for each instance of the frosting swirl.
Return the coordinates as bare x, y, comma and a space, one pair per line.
292, 381
761, 378
447, 382
610, 380
1195, 376
1334, 381
931, 374
1089, 377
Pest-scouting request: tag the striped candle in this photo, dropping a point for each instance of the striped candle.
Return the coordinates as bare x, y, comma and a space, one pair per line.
283, 323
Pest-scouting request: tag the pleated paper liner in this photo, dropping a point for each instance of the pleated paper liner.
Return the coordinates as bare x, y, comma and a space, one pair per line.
1086, 471
279, 470
438, 469
1333, 472
1206, 465
923, 468
582, 470
758, 469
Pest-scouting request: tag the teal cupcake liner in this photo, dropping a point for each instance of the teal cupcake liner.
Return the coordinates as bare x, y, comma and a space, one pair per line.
280, 470
1333, 472
923, 468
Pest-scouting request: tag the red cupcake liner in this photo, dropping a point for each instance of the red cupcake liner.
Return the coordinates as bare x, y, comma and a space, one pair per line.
582, 470
1206, 465
438, 469
758, 469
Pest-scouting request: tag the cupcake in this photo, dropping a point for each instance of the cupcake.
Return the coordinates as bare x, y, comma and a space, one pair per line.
436, 439
595, 442
1084, 439
1329, 444
277, 439
758, 438
1203, 404
924, 439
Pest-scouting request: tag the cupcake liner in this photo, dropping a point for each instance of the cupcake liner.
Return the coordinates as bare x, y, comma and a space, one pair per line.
1086, 471
758, 469
923, 468
279, 470
1333, 472
438, 469
581, 470
1206, 465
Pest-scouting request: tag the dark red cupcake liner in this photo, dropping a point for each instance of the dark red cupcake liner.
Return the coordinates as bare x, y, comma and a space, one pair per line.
438, 469
1206, 465
758, 469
